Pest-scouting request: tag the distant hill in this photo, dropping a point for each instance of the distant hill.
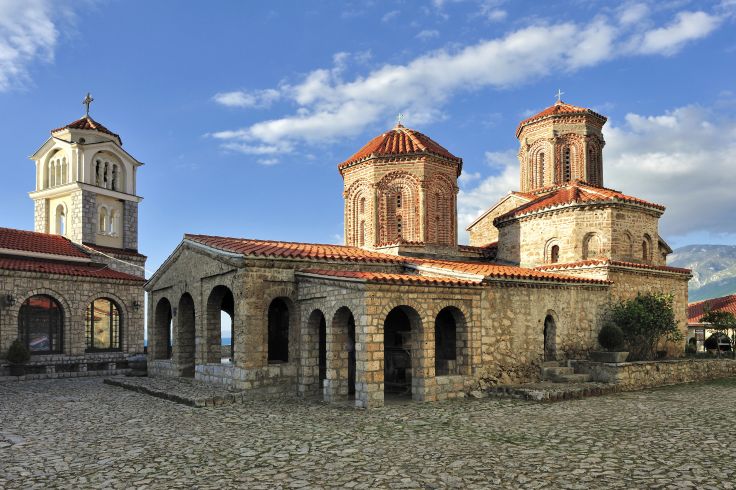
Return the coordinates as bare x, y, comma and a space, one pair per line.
713, 266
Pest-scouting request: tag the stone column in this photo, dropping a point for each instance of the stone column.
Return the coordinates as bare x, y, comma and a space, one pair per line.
422, 362
369, 362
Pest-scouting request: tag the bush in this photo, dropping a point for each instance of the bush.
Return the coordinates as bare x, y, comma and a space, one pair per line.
691, 349
645, 320
711, 343
611, 337
18, 353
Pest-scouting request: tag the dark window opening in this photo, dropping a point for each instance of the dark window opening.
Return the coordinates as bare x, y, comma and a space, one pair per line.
445, 338
41, 321
278, 331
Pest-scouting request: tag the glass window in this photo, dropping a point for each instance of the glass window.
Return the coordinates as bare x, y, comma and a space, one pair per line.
40, 322
103, 325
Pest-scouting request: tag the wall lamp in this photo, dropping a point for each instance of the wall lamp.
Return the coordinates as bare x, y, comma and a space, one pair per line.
136, 305
8, 300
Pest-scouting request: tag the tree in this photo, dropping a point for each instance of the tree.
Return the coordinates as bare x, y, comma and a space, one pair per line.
645, 320
721, 321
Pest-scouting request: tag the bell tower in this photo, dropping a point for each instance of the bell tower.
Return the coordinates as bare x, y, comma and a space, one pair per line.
563, 143
86, 186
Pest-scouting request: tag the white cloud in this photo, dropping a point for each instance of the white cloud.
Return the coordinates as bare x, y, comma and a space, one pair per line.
268, 161
688, 26
328, 106
246, 99
389, 16
427, 34
662, 158
28, 32
496, 15
633, 13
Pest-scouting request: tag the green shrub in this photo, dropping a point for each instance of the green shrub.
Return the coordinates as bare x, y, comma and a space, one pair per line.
18, 353
611, 337
645, 320
690, 349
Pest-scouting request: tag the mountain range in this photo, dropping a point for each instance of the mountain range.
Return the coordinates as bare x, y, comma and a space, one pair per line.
713, 266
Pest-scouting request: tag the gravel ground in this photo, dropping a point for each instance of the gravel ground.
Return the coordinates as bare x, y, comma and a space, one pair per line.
81, 433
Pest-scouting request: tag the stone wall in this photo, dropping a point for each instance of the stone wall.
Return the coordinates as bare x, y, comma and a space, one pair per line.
130, 225
639, 375
483, 231
74, 294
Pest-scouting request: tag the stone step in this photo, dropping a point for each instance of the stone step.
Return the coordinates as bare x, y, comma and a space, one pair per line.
546, 364
551, 372
572, 378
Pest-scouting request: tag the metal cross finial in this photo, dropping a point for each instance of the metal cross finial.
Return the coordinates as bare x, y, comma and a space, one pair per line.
399, 119
559, 95
87, 101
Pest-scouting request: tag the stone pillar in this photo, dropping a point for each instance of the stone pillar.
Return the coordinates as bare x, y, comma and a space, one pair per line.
369, 362
130, 225
308, 373
40, 220
422, 362
336, 384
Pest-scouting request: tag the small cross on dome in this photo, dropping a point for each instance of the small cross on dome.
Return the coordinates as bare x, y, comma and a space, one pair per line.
559, 95
399, 119
87, 101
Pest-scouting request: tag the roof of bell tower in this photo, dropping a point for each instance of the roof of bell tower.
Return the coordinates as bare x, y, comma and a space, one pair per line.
400, 141
559, 108
87, 123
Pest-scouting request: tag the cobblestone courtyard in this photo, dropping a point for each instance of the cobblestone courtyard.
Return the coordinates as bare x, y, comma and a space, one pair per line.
81, 433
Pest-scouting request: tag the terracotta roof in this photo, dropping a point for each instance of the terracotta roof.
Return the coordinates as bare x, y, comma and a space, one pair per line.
292, 250
401, 141
27, 264
113, 250
386, 278
695, 311
30, 241
86, 122
498, 271
620, 263
573, 193
558, 109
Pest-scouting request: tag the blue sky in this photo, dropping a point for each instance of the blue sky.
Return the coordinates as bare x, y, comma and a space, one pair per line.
241, 111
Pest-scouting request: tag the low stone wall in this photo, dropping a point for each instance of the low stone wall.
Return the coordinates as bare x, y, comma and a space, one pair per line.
452, 386
282, 377
648, 374
65, 366
162, 368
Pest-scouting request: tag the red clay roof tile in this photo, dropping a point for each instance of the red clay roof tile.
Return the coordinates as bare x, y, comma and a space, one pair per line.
100, 271
558, 109
620, 263
31, 241
293, 250
86, 122
113, 250
573, 193
387, 278
401, 141
695, 311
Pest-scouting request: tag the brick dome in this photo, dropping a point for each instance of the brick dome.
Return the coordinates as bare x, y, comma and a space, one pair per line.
401, 141
559, 109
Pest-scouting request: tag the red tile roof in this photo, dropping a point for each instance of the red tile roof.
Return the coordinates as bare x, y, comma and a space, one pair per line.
559, 109
386, 278
86, 122
695, 311
620, 263
573, 193
292, 250
30, 241
401, 141
100, 271
113, 250
498, 271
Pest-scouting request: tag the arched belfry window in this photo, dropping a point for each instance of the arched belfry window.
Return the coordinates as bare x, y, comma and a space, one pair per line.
103, 221
554, 255
567, 164
539, 177
399, 227
102, 326
398, 200
361, 207
40, 324
60, 220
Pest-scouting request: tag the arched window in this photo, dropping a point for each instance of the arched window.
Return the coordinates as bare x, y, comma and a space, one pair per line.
540, 172
113, 223
361, 233
566, 161
114, 177
644, 251
554, 255
98, 173
40, 324
60, 220
591, 246
103, 221
362, 205
398, 227
102, 326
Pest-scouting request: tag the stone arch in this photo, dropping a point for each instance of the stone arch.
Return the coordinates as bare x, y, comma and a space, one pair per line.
398, 202
628, 246
646, 248
360, 191
451, 337
109, 171
123, 308
592, 246
60, 219
220, 300
402, 351
67, 311
184, 346
161, 336
314, 353
552, 251
341, 355
280, 321
549, 336
40, 324
440, 208
540, 158
568, 158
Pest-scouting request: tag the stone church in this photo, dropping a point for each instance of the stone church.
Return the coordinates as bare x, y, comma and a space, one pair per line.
72, 289
402, 308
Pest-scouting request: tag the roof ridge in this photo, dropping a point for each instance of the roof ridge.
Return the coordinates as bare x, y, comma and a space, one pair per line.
275, 241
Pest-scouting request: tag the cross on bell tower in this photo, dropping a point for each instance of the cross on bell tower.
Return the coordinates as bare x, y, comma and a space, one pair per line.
86, 102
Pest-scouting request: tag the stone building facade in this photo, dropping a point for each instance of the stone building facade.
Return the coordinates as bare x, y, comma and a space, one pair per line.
72, 289
401, 308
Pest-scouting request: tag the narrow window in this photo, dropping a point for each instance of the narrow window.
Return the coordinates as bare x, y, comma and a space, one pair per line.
362, 205
540, 171
361, 233
644, 251
98, 175
114, 177
103, 221
398, 200
398, 227
60, 220
105, 177
102, 325
566, 161
554, 256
